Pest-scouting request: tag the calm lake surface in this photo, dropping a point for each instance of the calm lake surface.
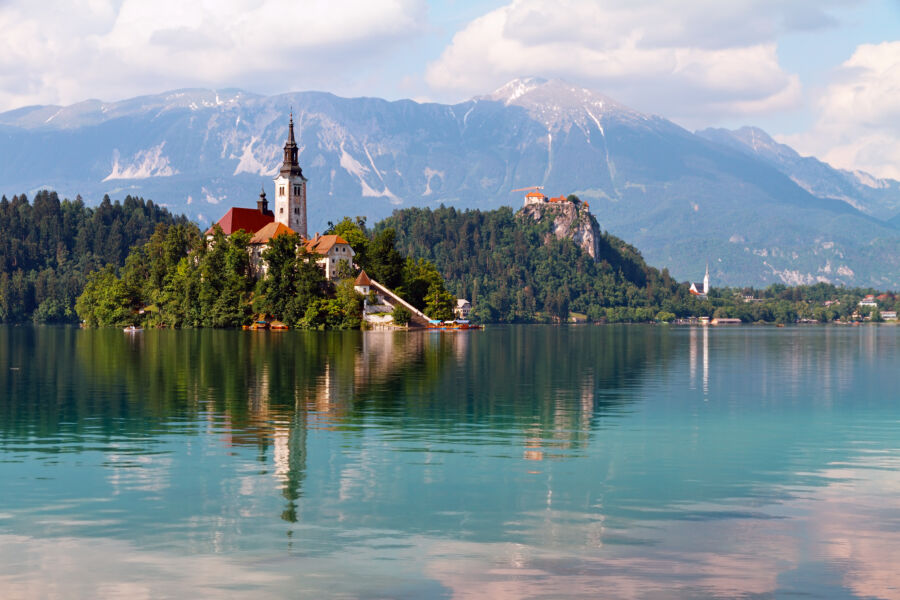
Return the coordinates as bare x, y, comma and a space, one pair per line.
514, 462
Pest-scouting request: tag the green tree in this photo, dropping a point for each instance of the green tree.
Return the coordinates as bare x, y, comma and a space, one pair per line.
439, 303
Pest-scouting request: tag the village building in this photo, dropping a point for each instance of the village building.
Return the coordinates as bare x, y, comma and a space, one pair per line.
260, 242
332, 249
889, 315
362, 285
701, 289
462, 309
869, 301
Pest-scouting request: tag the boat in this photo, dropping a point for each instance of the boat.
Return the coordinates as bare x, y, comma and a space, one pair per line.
132, 329
457, 325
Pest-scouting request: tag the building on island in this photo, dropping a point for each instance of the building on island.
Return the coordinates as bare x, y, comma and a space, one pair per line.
362, 285
332, 249
289, 217
260, 241
701, 289
290, 188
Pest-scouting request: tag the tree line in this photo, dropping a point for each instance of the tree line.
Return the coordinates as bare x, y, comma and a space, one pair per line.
48, 247
135, 263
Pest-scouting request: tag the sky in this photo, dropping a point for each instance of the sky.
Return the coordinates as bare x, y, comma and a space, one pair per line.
820, 75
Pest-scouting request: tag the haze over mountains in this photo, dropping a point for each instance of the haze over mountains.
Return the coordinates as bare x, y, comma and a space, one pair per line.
754, 209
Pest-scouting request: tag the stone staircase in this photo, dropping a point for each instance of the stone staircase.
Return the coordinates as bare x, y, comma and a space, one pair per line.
418, 317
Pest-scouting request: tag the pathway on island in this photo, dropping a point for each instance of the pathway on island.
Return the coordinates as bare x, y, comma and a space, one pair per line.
418, 317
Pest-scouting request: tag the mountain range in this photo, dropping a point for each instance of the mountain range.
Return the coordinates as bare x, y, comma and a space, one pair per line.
753, 209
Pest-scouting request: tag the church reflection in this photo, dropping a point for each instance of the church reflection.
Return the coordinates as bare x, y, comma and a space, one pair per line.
541, 396
698, 351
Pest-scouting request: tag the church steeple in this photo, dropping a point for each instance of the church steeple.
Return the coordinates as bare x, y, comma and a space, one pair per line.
706, 280
290, 187
291, 165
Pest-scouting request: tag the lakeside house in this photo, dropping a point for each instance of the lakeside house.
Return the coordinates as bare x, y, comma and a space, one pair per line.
462, 309
869, 301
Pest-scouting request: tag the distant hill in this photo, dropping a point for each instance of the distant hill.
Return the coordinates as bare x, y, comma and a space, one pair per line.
541, 262
683, 199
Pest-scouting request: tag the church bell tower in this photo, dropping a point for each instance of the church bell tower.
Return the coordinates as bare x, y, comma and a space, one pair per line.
290, 188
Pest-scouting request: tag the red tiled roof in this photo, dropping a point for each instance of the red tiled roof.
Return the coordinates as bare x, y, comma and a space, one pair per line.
272, 230
534, 195
248, 219
321, 244
363, 279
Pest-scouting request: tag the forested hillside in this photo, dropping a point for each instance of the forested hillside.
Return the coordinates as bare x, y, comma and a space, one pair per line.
48, 246
514, 270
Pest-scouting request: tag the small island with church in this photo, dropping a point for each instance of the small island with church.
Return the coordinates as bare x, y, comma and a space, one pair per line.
259, 268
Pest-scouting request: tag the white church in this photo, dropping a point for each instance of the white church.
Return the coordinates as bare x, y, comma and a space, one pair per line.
289, 217
701, 289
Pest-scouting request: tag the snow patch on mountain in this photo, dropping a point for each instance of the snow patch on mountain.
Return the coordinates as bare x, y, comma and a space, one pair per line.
144, 164
870, 180
210, 197
249, 163
429, 174
359, 170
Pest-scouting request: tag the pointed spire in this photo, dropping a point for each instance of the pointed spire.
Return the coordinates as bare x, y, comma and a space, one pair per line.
291, 128
291, 166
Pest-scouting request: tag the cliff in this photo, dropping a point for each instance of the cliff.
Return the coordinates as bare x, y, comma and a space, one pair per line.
569, 221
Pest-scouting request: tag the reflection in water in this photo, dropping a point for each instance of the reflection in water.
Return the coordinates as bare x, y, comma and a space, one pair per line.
513, 462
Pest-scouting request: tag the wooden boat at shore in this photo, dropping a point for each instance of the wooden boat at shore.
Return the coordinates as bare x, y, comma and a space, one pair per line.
132, 329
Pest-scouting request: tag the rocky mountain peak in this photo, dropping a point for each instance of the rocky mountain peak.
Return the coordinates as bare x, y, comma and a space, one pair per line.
559, 104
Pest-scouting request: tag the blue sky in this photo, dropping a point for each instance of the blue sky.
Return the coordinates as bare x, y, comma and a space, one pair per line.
822, 75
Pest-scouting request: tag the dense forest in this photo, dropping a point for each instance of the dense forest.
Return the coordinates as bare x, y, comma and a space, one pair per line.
504, 266
48, 247
507, 267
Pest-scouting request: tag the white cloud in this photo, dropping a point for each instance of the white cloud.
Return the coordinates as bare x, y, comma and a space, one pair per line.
858, 122
68, 51
695, 60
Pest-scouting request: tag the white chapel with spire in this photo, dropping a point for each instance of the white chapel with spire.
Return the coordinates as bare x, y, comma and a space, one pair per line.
701, 290
290, 188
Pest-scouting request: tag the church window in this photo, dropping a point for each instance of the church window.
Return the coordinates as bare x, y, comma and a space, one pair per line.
296, 190
281, 190
296, 211
281, 211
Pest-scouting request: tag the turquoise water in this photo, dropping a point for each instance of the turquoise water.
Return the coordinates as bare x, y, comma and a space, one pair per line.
514, 462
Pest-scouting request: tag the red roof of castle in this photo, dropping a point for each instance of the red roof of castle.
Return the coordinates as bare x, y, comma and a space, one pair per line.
534, 195
248, 219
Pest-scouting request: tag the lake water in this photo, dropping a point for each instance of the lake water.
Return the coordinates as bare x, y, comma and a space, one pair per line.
514, 462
